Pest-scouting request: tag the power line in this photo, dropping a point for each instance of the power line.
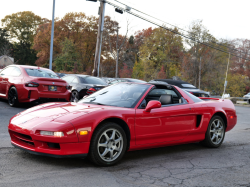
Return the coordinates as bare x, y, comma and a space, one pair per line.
178, 27
145, 19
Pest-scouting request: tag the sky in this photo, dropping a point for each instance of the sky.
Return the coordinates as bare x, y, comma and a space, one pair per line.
227, 19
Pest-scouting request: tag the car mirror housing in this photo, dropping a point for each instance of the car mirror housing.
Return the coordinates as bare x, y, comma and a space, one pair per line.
152, 104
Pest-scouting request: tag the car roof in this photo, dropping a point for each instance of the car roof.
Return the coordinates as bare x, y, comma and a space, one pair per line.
26, 66
173, 82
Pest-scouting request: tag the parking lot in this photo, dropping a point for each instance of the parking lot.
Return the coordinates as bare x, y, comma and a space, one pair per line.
182, 165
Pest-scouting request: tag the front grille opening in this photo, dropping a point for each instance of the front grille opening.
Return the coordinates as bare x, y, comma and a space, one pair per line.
54, 145
25, 136
22, 136
30, 143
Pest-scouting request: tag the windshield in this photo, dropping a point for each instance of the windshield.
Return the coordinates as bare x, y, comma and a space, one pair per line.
121, 95
41, 73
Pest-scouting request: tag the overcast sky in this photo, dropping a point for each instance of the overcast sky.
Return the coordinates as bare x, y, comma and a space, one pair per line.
228, 19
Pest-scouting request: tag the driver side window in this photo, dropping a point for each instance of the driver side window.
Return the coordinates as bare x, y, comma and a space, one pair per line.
164, 95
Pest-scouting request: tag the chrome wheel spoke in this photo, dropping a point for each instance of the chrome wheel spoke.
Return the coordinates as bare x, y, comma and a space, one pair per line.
103, 144
111, 152
118, 140
106, 136
213, 137
105, 152
113, 135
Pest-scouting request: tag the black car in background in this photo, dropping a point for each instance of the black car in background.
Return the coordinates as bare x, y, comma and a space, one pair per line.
82, 85
129, 80
185, 86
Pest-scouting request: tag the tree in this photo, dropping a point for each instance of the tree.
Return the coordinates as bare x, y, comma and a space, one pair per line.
237, 85
162, 74
77, 27
161, 48
5, 45
125, 72
68, 59
22, 26
24, 54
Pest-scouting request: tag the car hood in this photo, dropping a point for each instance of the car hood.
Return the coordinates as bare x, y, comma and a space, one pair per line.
52, 112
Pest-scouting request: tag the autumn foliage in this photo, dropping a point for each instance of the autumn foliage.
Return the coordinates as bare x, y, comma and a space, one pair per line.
147, 54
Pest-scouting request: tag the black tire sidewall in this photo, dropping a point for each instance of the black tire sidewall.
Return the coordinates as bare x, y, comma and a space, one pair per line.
16, 100
93, 152
207, 140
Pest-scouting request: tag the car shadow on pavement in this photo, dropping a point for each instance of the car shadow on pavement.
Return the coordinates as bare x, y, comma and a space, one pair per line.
130, 158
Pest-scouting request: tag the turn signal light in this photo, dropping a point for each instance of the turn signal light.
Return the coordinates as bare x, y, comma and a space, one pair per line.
231, 117
83, 132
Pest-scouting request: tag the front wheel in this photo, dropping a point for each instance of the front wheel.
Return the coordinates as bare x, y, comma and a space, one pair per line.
108, 144
215, 132
13, 97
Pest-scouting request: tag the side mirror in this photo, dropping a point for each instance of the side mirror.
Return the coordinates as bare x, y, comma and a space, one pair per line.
152, 104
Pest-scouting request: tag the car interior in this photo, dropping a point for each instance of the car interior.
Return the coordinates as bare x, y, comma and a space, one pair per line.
166, 94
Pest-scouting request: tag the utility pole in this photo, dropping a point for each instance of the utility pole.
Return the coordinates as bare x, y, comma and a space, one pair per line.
225, 84
200, 74
98, 50
52, 36
117, 53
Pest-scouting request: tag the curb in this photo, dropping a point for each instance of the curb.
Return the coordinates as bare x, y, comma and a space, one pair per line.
242, 105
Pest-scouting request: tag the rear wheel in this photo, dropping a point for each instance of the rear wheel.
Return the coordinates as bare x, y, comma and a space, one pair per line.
108, 145
215, 132
13, 97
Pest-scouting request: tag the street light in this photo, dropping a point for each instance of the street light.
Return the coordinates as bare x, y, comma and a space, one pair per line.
52, 36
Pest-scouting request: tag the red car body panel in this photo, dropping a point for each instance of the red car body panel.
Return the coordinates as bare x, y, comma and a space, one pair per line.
161, 127
29, 94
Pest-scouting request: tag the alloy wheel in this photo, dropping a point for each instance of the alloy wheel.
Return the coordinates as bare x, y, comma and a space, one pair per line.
110, 145
216, 131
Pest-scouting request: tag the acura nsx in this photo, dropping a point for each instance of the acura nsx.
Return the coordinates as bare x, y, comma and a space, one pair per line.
119, 118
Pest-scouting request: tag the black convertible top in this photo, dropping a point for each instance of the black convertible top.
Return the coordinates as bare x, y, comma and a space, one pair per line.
175, 82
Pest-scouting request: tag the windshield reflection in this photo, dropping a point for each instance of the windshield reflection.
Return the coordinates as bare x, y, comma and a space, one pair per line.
121, 95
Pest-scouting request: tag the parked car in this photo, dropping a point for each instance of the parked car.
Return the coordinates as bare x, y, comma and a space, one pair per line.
186, 86
82, 85
19, 83
119, 118
247, 97
61, 74
129, 80
109, 80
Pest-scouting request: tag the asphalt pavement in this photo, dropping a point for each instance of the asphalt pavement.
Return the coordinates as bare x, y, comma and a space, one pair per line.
182, 165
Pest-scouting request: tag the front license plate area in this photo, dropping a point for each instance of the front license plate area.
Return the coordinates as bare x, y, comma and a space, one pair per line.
52, 88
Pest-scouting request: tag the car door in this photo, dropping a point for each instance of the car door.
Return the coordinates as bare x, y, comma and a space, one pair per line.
172, 123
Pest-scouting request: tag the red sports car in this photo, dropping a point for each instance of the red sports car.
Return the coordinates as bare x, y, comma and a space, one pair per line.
19, 83
120, 118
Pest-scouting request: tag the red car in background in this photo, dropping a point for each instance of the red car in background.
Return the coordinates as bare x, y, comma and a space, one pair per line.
20, 83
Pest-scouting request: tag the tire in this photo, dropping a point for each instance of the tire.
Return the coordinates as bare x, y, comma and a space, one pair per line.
74, 95
215, 134
108, 145
13, 97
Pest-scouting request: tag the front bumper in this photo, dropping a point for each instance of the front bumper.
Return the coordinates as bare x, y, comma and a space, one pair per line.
47, 147
51, 155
